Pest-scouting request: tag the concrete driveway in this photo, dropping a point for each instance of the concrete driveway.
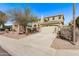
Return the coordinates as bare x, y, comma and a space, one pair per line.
36, 44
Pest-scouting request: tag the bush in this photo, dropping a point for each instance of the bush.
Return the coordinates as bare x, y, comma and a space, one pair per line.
65, 33
77, 21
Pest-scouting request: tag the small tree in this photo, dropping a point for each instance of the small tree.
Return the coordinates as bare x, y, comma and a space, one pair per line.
34, 19
21, 17
3, 18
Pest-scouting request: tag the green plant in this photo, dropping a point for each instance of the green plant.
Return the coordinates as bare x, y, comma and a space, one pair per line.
77, 21
3, 18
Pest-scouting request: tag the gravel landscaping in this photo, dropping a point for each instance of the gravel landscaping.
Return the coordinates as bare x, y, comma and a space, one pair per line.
64, 44
14, 35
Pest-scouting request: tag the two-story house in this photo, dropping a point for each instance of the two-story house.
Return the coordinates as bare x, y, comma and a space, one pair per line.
55, 21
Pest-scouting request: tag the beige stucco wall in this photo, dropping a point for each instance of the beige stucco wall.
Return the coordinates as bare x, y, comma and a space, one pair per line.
57, 19
53, 28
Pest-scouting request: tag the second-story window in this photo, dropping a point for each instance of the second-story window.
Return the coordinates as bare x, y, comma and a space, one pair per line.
52, 18
63, 17
59, 17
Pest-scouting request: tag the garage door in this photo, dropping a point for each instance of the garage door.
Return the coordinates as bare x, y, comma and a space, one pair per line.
49, 29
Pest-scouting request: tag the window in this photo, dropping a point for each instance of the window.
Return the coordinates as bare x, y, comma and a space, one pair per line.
59, 17
63, 17
62, 23
53, 18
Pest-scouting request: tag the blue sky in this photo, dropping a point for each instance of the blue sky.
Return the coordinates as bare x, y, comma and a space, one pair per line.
44, 9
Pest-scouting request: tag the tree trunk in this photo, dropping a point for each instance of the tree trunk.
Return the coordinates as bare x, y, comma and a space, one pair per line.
20, 29
24, 30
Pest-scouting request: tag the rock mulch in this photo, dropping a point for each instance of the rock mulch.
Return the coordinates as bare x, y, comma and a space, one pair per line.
64, 44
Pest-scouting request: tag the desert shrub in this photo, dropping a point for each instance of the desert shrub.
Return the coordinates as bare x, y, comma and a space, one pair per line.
65, 33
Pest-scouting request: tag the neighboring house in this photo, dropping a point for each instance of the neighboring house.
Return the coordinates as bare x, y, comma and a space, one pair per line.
1, 28
30, 26
15, 26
